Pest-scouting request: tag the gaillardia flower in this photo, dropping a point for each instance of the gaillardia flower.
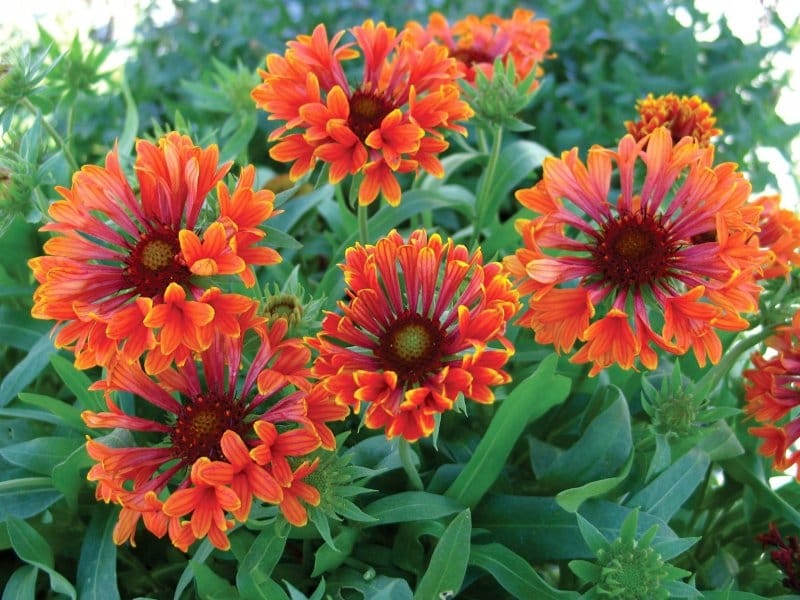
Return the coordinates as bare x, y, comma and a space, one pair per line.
393, 120
673, 247
779, 234
772, 392
682, 115
125, 272
476, 42
425, 323
212, 440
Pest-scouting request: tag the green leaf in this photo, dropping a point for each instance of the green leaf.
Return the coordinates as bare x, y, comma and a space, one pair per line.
295, 594
410, 506
408, 552
451, 164
529, 400
22, 338
203, 551
448, 564
571, 499
514, 573
40, 455
720, 442
237, 142
97, 566
585, 570
517, 161
377, 453
732, 595
539, 530
378, 588
67, 414
67, 477
662, 457
279, 239
669, 549
666, 493
22, 584
27, 415
738, 469
27, 369
78, 383
211, 586
32, 548
591, 535
131, 126
328, 558
264, 553
25, 497
601, 450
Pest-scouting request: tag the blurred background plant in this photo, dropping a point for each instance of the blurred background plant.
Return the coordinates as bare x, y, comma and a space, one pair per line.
190, 65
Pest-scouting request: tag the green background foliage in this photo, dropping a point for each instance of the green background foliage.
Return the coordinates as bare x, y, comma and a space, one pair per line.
495, 520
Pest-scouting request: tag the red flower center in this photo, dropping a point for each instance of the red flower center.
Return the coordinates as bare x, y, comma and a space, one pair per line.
683, 123
470, 56
633, 250
154, 263
411, 346
201, 423
367, 111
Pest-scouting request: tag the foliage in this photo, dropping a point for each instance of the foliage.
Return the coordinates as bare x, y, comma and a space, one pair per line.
545, 493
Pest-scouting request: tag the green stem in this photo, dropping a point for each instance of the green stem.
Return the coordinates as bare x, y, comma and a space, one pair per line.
723, 367
483, 201
406, 459
73, 164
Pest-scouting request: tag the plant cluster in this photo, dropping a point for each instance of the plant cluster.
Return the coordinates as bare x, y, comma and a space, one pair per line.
388, 305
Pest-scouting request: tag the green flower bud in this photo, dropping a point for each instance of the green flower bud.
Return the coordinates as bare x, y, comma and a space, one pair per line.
497, 100
289, 302
675, 409
628, 568
18, 179
20, 74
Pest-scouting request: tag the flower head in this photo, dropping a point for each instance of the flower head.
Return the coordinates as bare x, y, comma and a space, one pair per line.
772, 391
209, 457
476, 42
682, 115
124, 273
779, 233
420, 329
392, 121
628, 567
786, 555
605, 268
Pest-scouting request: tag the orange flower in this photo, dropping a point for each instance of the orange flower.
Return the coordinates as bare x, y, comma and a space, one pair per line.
121, 267
779, 234
684, 115
208, 501
600, 267
419, 330
273, 448
202, 458
772, 392
321, 409
476, 42
296, 490
392, 121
